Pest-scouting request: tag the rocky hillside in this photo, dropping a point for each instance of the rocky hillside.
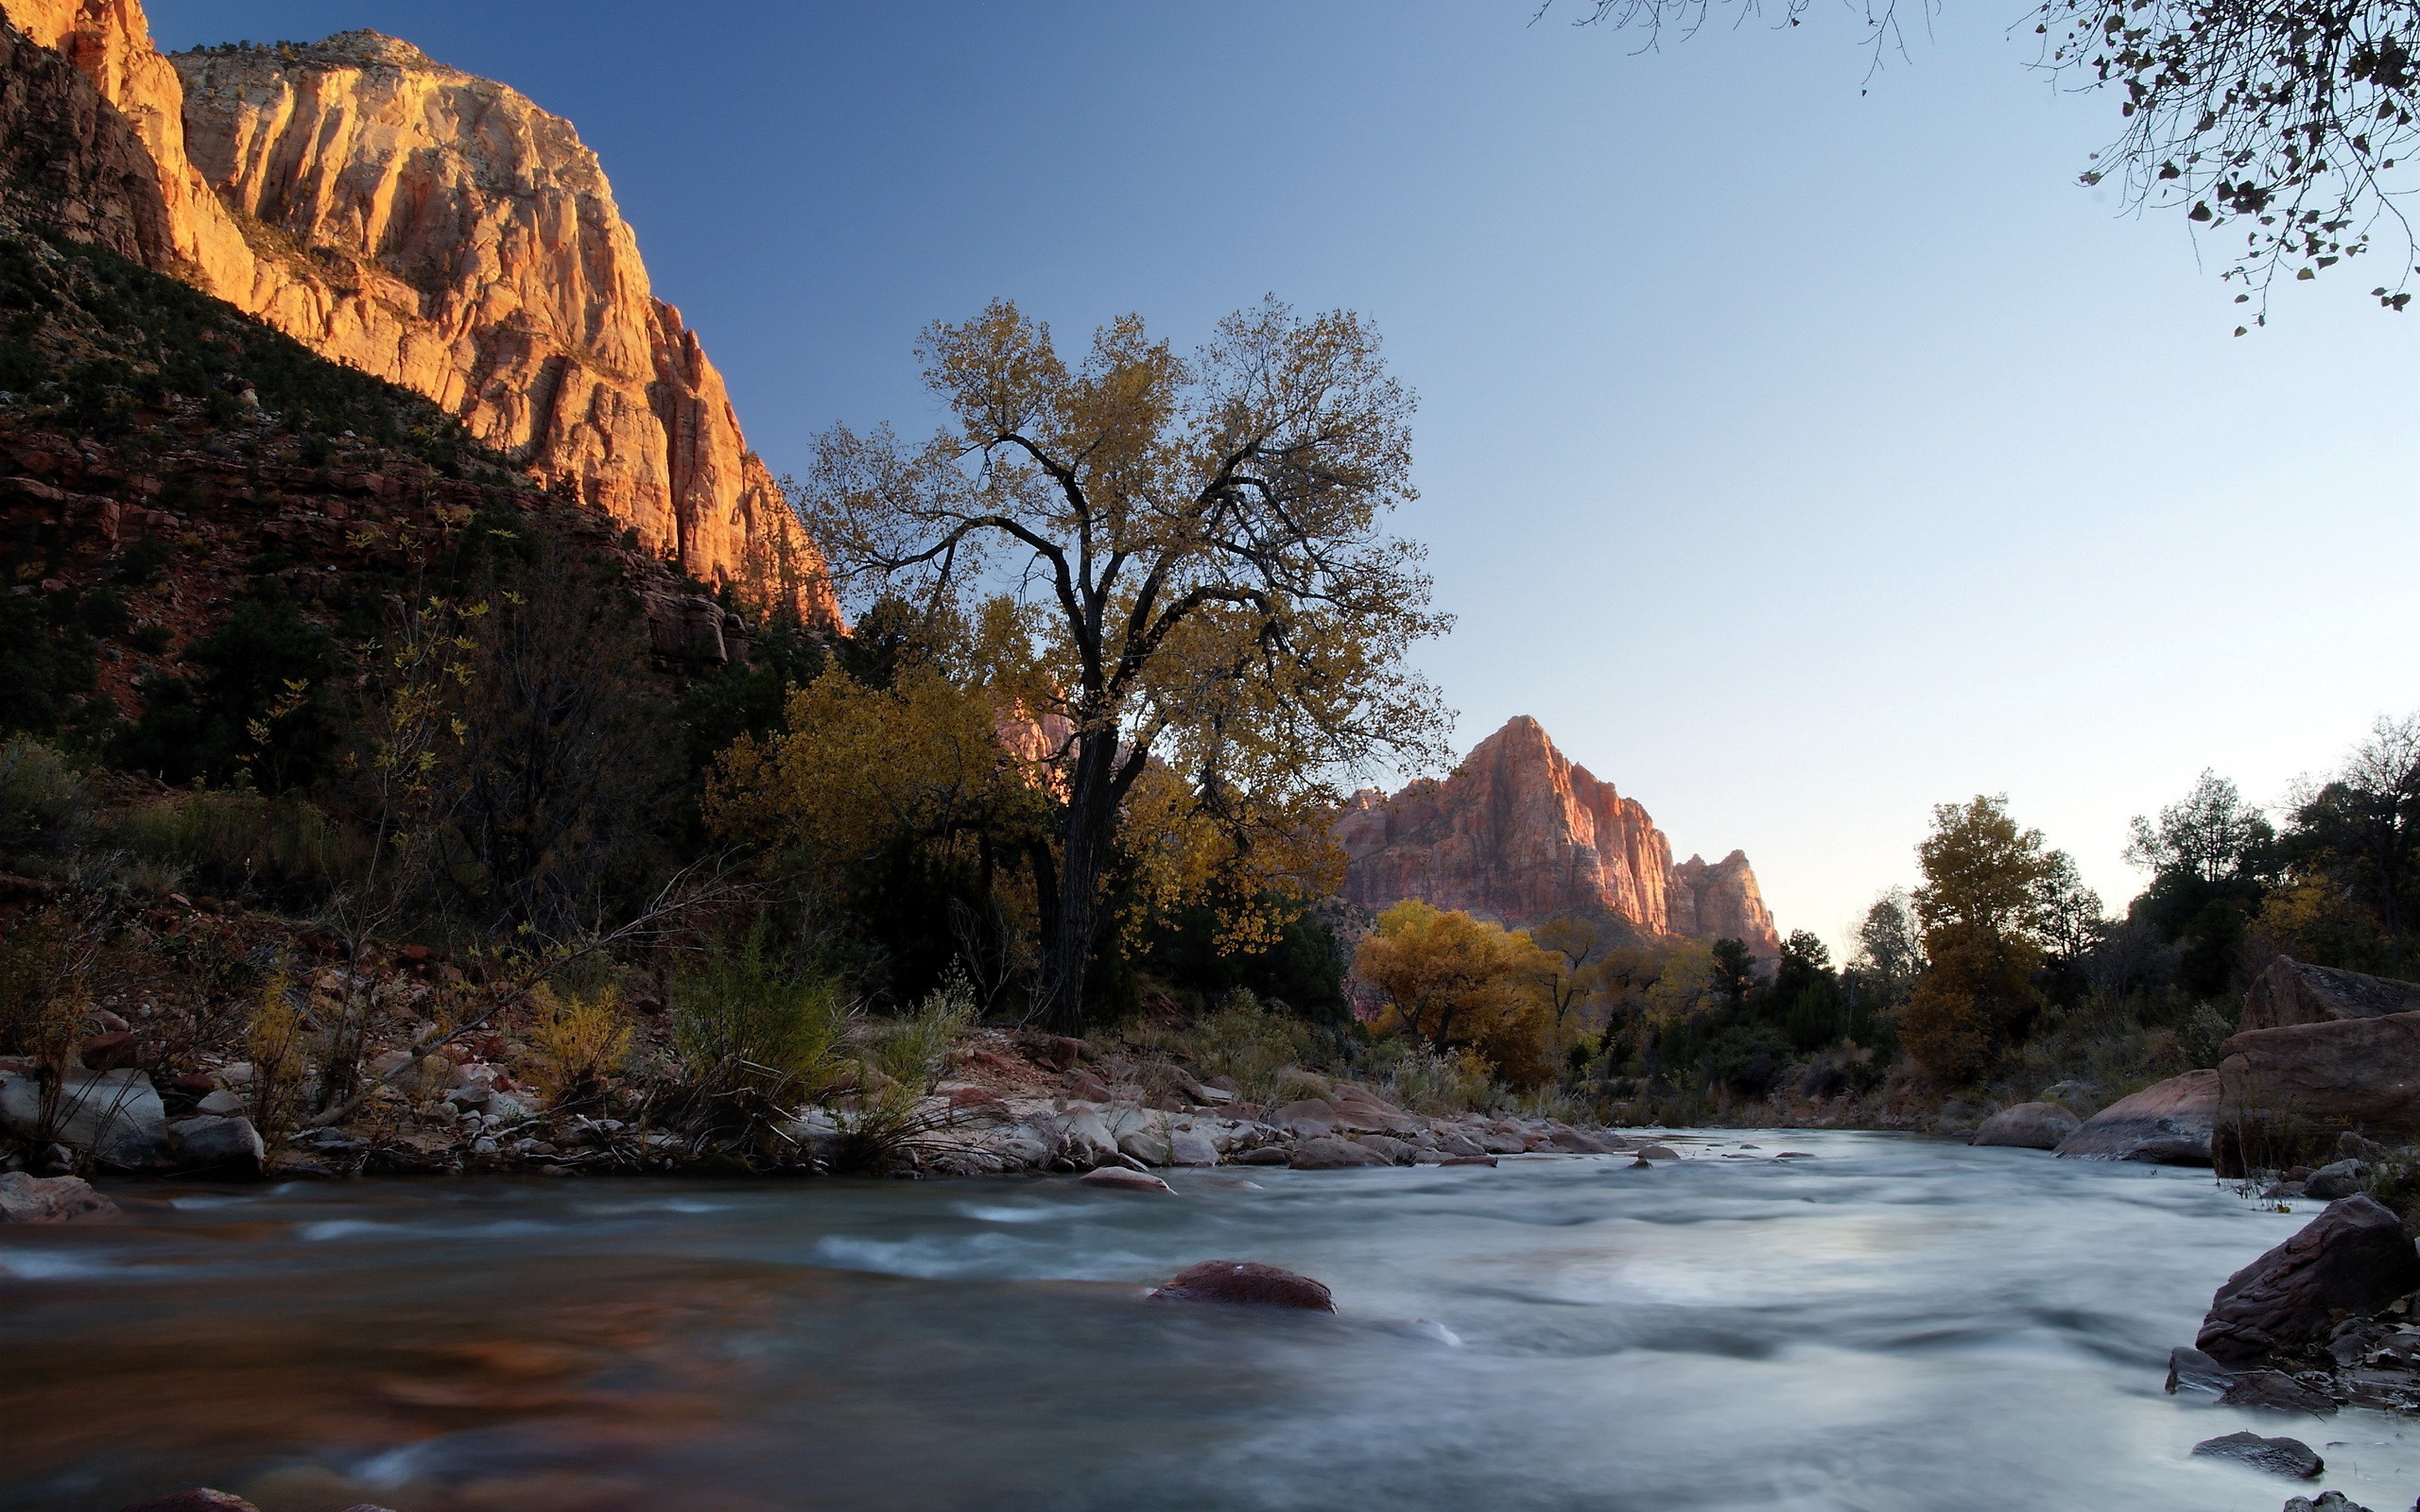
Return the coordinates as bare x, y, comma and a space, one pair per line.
444, 233
1520, 835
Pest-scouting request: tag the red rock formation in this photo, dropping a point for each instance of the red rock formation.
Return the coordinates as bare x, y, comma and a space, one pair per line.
444, 232
1521, 835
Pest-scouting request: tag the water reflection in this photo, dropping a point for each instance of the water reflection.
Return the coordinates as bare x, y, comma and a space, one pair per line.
1896, 1323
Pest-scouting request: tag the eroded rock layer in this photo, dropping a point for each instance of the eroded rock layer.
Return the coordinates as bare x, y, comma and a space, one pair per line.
1520, 835
444, 232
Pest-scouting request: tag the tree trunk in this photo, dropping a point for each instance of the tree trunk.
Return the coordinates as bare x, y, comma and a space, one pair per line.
1067, 943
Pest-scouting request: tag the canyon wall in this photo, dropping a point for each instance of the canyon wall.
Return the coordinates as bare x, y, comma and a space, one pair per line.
441, 232
1519, 835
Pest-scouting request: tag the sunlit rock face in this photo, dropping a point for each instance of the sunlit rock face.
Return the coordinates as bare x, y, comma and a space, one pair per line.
1521, 835
442, 231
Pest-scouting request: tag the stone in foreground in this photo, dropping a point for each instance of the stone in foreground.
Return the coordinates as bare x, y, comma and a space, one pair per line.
2326, 1502
2353, 1258
1118, 1179
1245, 1280
49, 1199
2278, 1456
2166, 1123
2027, 1127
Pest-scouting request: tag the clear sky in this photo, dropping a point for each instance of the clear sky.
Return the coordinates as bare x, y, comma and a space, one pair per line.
1800, 450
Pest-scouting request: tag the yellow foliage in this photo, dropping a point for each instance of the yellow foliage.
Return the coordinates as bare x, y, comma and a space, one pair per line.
1458, 982
862, 766
580, 1043
273, 1038
1686, 984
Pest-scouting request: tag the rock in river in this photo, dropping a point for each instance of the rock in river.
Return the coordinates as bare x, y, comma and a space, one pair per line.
2027, 1127
2353, 1258
1118, 1179
2279, 1457
2166, 1123
1246, 1281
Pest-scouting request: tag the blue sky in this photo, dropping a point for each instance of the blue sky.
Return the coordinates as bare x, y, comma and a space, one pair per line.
1802, 449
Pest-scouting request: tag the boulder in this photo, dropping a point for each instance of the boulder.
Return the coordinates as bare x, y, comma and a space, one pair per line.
2191, 1370
2337, 1178
1363, 1112
1266, 1155
116, 1116
1083, 1137
1305, 1119
2166, 1123
2326, 1502
1573, 1142
1186, 1147
2353, 1258
1245, 1280
1147, 1143
1118, 1179
49, 1199
2278, 1456
1658, 1152
2289, 992
1328, 1153
2287, 1094
1089, 1088
117, 1051
2027, 1127
231, 1145
1395, 1151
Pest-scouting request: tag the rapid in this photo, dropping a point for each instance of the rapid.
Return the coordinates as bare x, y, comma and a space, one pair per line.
1895, 1322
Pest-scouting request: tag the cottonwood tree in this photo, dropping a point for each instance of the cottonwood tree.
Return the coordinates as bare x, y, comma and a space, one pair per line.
2282, 119
1198, 544
1981, 905
1457, 983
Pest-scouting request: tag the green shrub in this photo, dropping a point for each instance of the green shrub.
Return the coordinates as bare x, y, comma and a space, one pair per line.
742, 1020
1243, 1042
1412, 1076
43, 673
39, 789
238, 841
263, 704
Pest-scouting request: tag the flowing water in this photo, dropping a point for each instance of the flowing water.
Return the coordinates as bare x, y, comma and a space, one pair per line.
1896, 1323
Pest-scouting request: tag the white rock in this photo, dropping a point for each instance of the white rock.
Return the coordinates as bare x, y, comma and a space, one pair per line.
1186, 1147
220, 1104
1148, 1146
115, 1114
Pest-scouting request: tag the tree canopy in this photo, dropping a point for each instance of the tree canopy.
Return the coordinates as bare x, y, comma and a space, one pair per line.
1191, 554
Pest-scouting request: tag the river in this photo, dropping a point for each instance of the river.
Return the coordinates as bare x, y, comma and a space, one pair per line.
1896, 1323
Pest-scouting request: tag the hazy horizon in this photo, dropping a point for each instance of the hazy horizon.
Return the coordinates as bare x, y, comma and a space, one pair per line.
1800, 458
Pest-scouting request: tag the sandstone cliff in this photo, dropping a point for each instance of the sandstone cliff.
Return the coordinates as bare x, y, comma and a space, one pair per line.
1519, 835
442, 231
